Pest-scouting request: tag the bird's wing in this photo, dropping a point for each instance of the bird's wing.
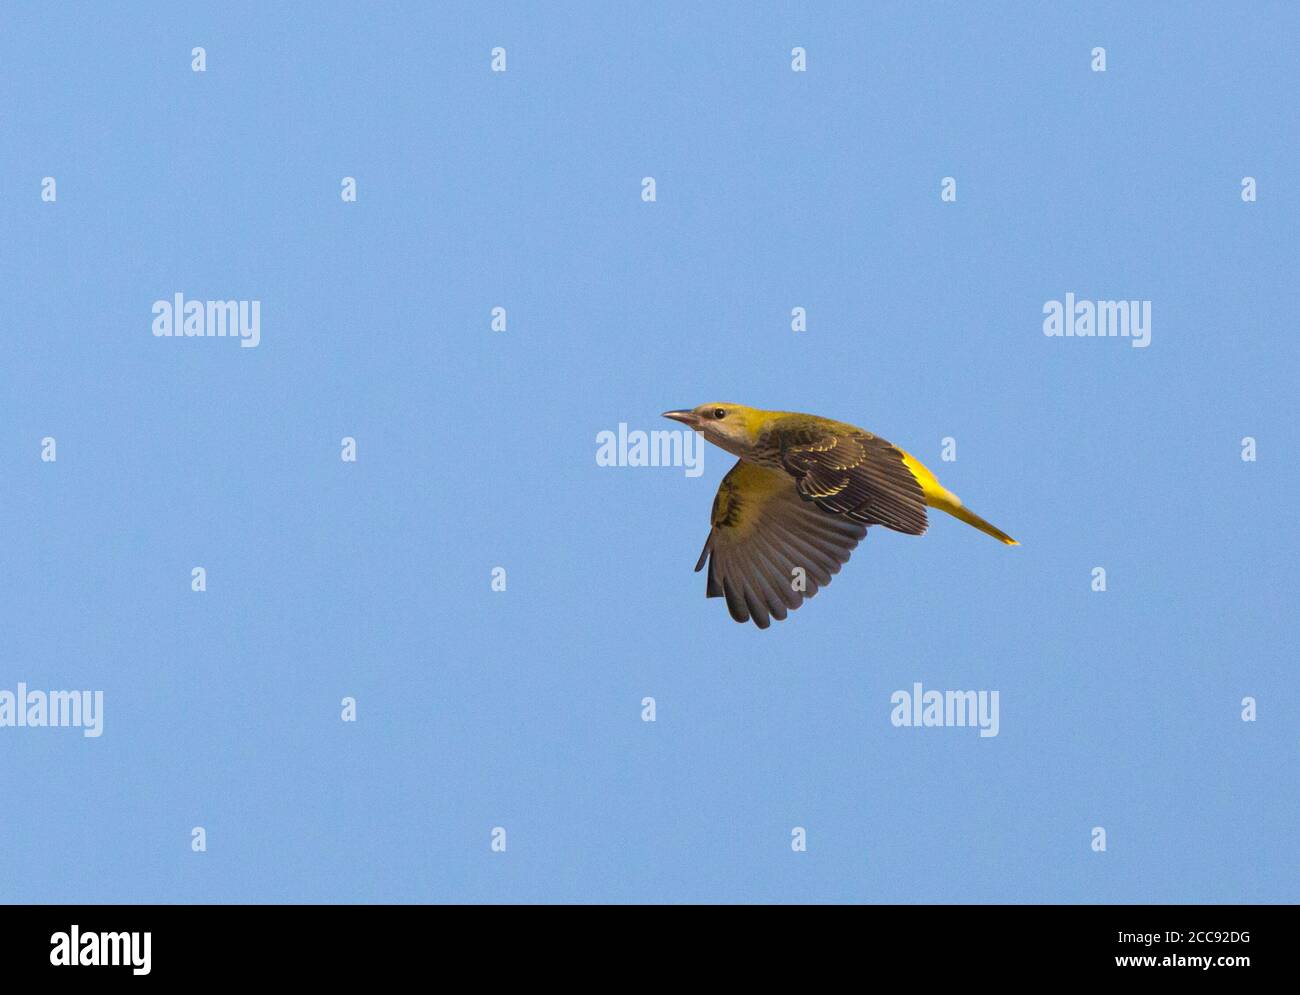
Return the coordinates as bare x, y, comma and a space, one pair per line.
847, 471
762, 531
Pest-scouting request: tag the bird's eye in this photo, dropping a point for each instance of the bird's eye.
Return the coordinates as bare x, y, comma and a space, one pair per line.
719, 412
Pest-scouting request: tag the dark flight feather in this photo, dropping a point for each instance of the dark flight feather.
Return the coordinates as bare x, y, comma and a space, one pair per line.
763, 529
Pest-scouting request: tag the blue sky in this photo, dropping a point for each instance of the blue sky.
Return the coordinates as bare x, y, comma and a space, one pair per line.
476, 449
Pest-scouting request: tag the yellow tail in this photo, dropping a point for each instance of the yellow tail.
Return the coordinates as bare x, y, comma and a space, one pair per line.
970, 518
938, 496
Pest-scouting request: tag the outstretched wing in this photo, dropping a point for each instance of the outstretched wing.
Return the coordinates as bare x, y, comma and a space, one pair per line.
847, 471
769, 548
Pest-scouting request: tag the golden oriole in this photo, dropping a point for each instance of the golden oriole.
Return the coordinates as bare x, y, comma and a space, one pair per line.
790, 512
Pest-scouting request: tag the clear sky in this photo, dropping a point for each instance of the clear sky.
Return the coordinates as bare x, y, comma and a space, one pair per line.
476, 448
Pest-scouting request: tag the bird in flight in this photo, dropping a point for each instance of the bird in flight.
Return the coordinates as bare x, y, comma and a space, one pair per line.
790, 512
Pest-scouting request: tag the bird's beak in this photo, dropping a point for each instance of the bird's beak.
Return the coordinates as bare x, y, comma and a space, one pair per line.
685, 417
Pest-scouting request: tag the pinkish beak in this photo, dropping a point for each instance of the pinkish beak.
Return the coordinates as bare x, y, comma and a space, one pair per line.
685, 417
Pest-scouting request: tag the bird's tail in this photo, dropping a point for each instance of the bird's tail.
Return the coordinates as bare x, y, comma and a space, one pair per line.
938, 496
970, 518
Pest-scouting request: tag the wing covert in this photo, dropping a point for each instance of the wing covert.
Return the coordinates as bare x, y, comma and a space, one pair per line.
847, 471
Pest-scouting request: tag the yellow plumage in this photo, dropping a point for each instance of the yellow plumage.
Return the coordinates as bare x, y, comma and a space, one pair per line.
938, 496
798, 501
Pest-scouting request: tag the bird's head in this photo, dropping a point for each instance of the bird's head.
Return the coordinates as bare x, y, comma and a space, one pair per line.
732, 427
